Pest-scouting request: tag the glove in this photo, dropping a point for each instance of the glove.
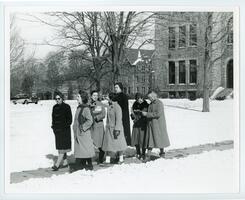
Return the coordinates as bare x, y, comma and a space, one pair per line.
132, 116
116, 133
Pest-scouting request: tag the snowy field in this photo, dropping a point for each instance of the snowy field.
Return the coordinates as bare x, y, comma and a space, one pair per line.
31, 139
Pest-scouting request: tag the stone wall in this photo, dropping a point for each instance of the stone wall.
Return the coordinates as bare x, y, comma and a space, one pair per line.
163, 54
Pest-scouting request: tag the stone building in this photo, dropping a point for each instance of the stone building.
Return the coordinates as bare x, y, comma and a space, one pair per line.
136, 71
179, 53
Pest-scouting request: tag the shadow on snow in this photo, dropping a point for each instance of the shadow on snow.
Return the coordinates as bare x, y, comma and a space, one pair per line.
17, 177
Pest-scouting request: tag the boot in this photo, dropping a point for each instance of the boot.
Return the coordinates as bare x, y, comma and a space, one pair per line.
107, 159
79, 164
162, 153
101, 156
89, 164
120, 159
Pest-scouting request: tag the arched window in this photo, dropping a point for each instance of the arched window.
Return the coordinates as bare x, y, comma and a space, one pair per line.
230, 31
230, 74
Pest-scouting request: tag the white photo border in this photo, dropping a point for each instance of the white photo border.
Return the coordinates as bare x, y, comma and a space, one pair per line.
239, 60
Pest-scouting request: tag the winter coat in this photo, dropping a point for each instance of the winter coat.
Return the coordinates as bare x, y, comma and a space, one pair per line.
122, 100
156, 134
114, 122
97, 129
83, 143
140, 123
61, 121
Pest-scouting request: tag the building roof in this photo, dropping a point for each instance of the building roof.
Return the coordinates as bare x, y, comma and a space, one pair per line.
136, 55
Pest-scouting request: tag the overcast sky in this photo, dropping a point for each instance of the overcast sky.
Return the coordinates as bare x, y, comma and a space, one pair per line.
36, 33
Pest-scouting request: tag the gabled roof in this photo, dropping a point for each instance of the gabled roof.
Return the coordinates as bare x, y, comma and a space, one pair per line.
136, 55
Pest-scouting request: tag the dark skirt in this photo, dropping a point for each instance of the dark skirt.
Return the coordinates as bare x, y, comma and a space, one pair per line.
63, 138
138, 136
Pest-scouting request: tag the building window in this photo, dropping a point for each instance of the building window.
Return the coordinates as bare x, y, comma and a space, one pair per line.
171, 70
138, 89
182, 36
143, 78
192, 95
182, 95
171, 37
172, 95
193, 71
137, 79
193, 35
143, 90
130, 78
230, 31
182, 71
129, 90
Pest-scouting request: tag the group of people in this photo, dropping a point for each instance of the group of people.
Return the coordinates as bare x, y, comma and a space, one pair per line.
149, 128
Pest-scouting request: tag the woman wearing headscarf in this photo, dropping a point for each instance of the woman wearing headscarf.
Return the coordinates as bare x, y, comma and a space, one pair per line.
114, 140
97, 131
122, 100
156, 133
61, 122
83, 143
140, 125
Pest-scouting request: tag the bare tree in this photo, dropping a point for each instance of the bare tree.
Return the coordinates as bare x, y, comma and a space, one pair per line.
215, 33
102, 36
16, 45
81, 30
123, 28
55, 63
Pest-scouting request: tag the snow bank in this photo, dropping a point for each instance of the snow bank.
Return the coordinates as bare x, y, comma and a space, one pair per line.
216, 92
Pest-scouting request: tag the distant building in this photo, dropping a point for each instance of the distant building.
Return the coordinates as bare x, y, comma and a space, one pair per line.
135, 73
179, 54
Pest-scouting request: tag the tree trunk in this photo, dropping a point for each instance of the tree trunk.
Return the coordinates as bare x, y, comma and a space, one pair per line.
205, 107
97, 85
207, 62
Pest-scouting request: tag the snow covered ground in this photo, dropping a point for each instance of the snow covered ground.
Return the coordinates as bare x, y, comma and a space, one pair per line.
31, 140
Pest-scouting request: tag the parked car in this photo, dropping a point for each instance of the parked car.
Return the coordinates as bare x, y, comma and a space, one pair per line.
24, 99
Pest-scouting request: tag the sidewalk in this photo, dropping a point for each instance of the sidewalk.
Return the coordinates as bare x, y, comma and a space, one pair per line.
17, 177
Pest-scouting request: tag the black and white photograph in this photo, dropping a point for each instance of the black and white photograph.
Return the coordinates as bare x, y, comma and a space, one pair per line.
121, 100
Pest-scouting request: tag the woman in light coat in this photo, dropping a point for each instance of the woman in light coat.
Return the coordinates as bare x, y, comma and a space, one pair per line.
97, 131
83, 143
156, 134
114, 140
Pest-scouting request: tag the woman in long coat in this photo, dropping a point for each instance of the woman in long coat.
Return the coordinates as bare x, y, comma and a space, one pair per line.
139, 127
114, 140
122, 100
61, 122
97, 130
83, 143
156, 134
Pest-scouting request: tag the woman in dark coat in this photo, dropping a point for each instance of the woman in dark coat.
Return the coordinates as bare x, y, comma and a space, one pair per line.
83, 143
97, 130
61, 121
140, 124
122, 100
